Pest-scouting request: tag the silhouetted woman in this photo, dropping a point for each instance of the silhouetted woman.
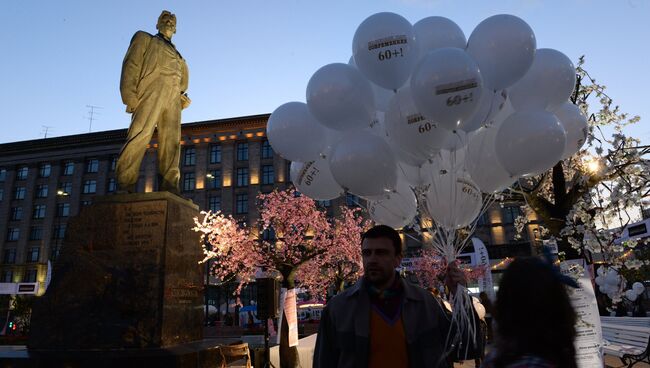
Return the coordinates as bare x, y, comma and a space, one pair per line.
534, 318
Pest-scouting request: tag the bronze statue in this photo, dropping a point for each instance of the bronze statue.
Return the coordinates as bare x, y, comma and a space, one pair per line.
153, 84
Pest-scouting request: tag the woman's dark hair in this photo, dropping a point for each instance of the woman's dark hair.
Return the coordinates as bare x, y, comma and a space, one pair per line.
383, 231
534, 315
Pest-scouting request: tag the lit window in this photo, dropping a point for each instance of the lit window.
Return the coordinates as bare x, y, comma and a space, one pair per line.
189, 158
65, 188
242, 151
242, 176
19, 193
268, 174
241, 203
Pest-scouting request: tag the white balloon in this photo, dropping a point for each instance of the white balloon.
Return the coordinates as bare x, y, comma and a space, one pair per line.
600, 280
612, 278
549, 82
294, 133
314, 179
410, 174
397, 210
340, 97
446, 86
456, 141
638, 288
575, 125
382, 95
453, 200
530, 142
364, 164
384, 49
503, 46
482, 163
602, 271
480, 310
631, 295
492, 103
409, 130
437, 32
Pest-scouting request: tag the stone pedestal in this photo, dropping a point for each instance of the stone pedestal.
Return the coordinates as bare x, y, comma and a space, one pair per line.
127, 278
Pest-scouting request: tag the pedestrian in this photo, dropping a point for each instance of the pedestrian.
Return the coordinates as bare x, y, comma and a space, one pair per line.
489, 311
383, 320
535, 322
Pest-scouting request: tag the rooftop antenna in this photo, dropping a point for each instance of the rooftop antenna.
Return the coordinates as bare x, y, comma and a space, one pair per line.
91, 116
45, 129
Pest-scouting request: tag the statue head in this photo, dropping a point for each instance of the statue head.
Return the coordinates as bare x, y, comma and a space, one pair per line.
166, 24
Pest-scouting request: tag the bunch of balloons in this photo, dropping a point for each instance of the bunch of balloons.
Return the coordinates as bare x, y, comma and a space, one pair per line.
421, 109
610, 282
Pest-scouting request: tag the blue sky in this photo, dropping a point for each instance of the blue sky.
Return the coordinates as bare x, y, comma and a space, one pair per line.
248, 57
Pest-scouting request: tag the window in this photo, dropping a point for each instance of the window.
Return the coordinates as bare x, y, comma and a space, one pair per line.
54, 252
242, 176
92, 165
19, 193
9, 256
215, 153
510, 213
7, 276
3, 174
214, 204
41, 191
21, 173
351, 200
242, 151
2, 194
241, 203
269, 234
63, 209
86, 203
30, 276
267, 151
214, 179
35, 233
189, 158
16, 213
13, 234
90, 187
39, 211
65, 188
326, 203
33, 254
68, 168
113, 163
189, 181
45, 170
59, 231
268, 174
111, 185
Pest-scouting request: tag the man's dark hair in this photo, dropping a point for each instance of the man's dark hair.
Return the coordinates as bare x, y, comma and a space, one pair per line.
383, 231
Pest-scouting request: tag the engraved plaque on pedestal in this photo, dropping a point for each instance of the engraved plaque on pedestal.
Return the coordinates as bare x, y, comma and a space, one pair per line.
127, 277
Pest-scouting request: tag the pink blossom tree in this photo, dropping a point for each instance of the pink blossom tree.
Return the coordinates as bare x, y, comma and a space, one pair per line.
342, 263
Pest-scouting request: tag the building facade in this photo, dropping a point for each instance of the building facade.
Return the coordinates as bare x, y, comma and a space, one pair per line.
224, 165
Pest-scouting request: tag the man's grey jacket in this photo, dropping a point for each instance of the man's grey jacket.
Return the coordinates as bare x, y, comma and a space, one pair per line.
343, 336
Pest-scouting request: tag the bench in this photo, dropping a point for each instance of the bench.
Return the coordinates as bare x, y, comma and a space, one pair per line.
627, 341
